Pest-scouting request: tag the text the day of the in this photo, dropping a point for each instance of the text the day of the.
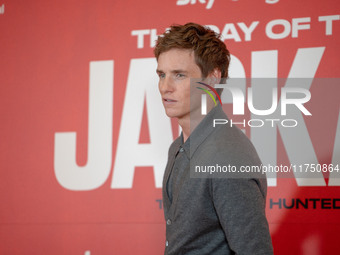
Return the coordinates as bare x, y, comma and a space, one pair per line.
241, 32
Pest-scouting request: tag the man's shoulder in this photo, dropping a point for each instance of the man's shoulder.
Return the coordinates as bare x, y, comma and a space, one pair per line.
227, 143
227, 137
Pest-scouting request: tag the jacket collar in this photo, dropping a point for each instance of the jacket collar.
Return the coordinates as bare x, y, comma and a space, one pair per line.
203, 130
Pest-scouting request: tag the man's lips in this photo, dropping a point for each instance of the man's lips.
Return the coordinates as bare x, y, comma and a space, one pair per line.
168, 100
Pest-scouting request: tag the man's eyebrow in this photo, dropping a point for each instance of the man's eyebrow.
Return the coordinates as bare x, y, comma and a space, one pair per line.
179, 71
172, 71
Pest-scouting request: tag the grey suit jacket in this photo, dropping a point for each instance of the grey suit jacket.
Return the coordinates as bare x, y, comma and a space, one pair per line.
215, 215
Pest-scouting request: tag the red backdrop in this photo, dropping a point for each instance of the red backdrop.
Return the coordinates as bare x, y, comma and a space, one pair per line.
84, 138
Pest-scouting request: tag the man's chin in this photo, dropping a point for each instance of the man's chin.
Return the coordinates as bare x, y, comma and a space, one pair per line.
177, 115
171, 114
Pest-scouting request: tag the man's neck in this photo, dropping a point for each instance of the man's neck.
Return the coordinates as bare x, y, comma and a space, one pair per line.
185, 125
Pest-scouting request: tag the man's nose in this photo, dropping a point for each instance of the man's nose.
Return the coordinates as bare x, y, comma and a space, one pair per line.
166, 85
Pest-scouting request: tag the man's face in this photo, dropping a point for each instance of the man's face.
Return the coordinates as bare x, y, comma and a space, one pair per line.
175, 68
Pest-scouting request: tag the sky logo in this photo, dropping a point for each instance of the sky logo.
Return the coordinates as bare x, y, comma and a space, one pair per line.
186, 2
211, 2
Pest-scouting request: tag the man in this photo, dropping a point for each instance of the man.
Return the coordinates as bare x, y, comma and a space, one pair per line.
206, 215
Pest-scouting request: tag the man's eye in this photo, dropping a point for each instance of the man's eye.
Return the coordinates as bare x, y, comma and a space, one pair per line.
161, 75
180, 75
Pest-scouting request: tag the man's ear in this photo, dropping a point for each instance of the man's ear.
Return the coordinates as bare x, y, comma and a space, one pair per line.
214, 77
217, 73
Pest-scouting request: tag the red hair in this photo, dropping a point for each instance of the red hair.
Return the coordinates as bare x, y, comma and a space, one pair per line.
209, 51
